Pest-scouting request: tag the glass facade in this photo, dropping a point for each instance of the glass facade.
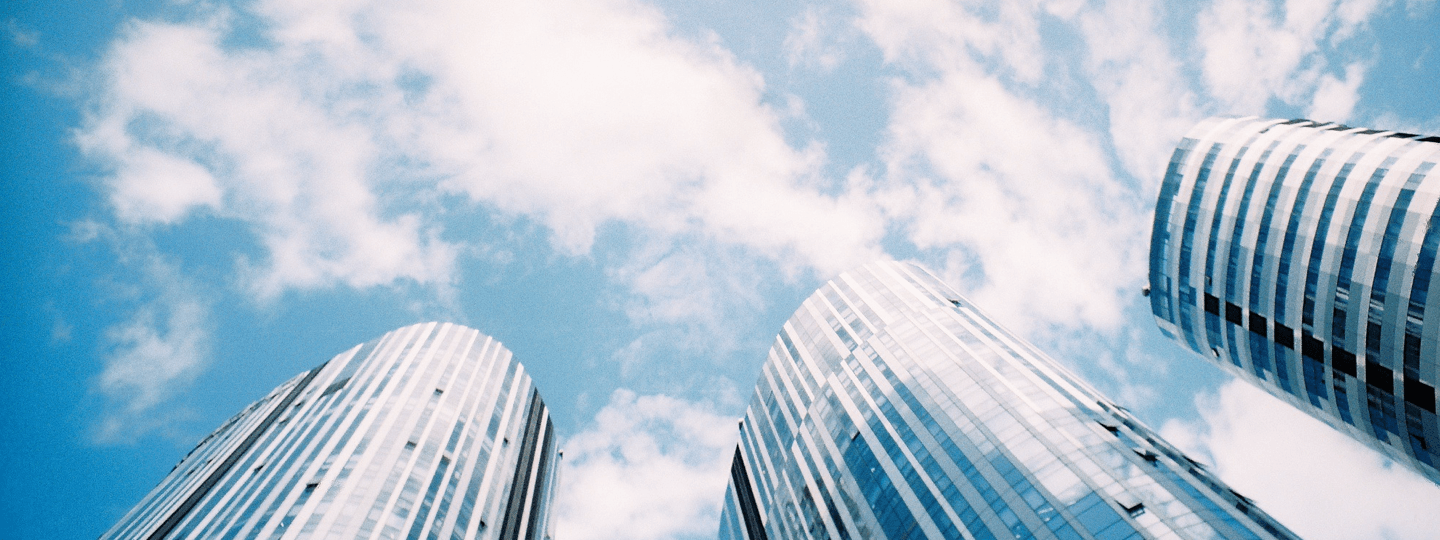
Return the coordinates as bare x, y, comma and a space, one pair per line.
430, 432
891, 407
1329, 253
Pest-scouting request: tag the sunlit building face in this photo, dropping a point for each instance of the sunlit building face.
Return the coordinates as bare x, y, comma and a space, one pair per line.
892, 407
432, 431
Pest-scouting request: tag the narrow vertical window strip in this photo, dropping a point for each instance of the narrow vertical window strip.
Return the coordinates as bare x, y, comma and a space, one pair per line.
1160, 235
501, 408
1218, 216
749, 512
1187, 296
384, 354
1292, 230
831, 510
541, 490
520, 489
1322, 233
423, 512
1341, 302
1262, 237
1232, 265
1380, 285
1419, 294
473, 468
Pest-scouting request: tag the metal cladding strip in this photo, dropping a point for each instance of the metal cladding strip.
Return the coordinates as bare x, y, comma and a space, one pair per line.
515, 508
541, 475
748, 510
184, 509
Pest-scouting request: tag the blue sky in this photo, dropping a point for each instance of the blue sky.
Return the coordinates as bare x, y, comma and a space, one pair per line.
202, 199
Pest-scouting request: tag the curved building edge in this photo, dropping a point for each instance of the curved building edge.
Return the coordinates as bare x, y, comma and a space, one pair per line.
430, 431
891, 407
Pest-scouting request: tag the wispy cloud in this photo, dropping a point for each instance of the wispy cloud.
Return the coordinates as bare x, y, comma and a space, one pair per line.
811, 40
1315, 480
649, 467
1132, 64
1017, 198
188, 125
158, 349
337, 150
21, 36
1257, 51
1335, 98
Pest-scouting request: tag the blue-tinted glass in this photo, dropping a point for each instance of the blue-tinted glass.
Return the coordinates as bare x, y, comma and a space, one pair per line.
1232, 267
1160, 235
1314, 381
1419, 294
1187, 241
1292, 229
1257, 267
1347, 258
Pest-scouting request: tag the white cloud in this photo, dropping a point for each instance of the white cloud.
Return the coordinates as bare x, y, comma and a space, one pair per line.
184, 122
1391, 121
335, 135
1253, 51
1353, 16
1017, 199
1335, 98
1016, 195
689, 284
650, 467
21, 36
694, 306
939, 34
154, 186
599, 113
1131, 374
1149, 101
1315, 480
158, 349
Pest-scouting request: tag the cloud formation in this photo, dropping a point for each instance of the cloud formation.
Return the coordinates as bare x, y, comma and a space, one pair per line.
1133, 67
1315, 480
158, 349
1018, 199
340, 134
187, 124
649, 467
1254, 52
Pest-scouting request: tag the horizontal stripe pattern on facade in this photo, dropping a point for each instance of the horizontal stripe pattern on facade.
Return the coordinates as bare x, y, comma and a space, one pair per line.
1298, 255
892, 407
417, 434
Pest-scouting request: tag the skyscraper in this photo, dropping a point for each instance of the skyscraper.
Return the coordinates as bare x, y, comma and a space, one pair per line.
1299, 256
431, 431
892, 408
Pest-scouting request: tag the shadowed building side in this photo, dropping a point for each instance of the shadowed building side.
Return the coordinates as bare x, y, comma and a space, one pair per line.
432, 431
891, 407
1300, 257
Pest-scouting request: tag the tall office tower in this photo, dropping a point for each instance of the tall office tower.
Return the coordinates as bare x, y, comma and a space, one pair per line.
892, 408
1299, 256
431, 431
